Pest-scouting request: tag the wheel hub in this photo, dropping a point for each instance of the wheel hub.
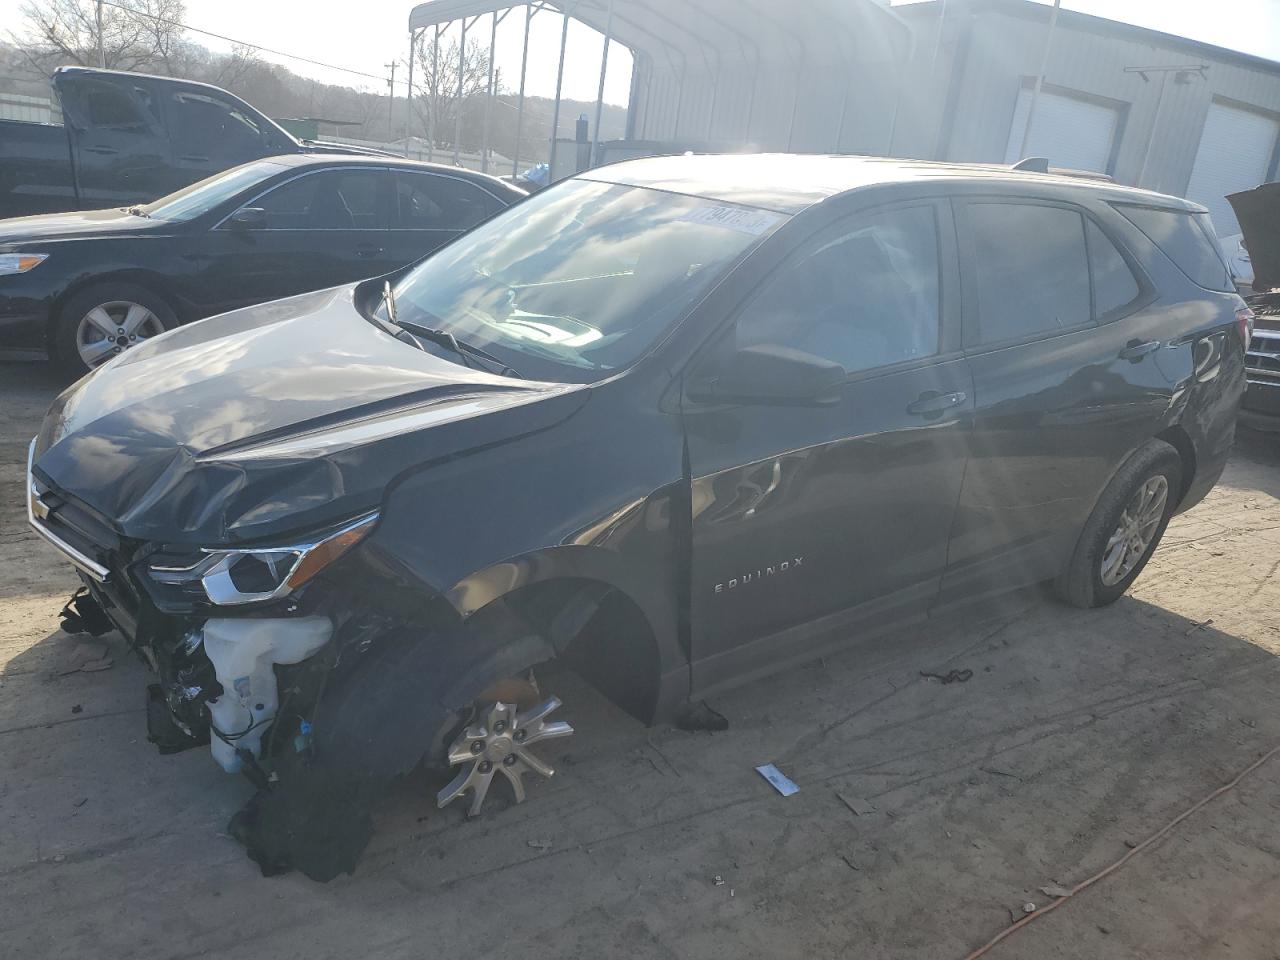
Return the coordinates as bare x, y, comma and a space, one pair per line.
498, 742
1134, 533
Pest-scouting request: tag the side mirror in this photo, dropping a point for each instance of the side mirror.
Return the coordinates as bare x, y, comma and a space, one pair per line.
771, 375
247, 218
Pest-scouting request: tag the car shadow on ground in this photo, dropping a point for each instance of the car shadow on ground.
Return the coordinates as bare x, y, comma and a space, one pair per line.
1073, 730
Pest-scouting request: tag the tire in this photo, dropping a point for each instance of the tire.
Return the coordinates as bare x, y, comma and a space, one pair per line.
373, 724
79, 343
1094, 577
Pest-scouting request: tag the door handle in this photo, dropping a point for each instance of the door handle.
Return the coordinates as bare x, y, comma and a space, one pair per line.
367, 251
192, 158
934, 404
105, 151
1135, 350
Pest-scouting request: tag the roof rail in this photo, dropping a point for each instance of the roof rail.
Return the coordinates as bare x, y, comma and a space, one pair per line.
1033, 164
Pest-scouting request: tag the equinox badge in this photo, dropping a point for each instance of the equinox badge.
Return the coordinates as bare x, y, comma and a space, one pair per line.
757, 575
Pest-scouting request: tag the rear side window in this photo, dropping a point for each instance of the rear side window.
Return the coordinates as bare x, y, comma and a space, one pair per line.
1185, 242
1031, 268
112, 106
429, 201
1114, 285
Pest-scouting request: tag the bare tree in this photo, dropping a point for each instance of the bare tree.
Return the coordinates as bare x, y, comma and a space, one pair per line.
436, 103
236, 66
134, 34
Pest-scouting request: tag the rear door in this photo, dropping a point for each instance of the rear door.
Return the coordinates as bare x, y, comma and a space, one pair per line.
831, 514
320, 229
120, 144
1064, 343
433, 208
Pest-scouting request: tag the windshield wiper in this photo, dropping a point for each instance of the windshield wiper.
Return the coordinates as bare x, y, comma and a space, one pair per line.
463, 349
390, 326
442, 337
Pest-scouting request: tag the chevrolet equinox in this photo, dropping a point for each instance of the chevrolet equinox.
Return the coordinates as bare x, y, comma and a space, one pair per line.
674, 422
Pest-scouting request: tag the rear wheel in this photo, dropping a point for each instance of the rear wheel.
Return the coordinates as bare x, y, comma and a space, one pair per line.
104, 320
1124, 528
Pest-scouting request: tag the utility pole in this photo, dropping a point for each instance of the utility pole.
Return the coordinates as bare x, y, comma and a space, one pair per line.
102, 53
391, 103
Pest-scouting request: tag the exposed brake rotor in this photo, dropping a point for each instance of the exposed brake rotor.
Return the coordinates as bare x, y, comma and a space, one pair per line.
498, 741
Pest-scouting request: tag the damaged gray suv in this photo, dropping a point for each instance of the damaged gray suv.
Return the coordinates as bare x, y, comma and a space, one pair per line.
675, 423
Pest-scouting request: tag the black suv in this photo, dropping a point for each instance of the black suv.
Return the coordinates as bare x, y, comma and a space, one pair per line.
674, 422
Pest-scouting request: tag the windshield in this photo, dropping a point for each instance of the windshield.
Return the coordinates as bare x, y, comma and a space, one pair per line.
581, 279
203, 195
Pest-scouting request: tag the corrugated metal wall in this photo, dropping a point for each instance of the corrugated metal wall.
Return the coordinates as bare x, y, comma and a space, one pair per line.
954, 98
1003, 49
813, 78
990, 48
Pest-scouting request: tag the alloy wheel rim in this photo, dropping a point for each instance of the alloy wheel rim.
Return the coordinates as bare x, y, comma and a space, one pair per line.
1133, 535
113, 327
498, 742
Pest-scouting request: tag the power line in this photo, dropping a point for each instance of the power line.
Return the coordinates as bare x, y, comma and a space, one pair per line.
244, 43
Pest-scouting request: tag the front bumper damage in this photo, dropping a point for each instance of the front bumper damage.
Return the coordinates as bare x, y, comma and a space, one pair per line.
248, 686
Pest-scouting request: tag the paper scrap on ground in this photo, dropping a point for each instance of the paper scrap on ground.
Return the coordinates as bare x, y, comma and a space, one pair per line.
778, 779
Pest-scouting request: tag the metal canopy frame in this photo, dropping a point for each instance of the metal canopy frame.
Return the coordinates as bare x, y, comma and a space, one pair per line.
711, 39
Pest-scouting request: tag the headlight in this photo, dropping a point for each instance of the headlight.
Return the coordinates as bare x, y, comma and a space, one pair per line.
254, 575
20, 262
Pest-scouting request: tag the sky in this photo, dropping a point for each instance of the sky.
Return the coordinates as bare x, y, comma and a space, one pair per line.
374, 32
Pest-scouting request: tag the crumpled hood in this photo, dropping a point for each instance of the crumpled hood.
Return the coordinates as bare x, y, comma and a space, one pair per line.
1258, 211
272, 419
76, 225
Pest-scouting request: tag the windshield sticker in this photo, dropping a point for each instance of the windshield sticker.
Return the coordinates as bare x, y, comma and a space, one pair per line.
741, 219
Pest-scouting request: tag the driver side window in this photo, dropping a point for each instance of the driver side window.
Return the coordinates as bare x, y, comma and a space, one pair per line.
863, 294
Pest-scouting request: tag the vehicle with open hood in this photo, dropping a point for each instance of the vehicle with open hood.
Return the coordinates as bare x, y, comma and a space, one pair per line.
1258, 211
674, 423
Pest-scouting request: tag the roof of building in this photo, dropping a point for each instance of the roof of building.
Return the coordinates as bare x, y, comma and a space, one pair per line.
788, 183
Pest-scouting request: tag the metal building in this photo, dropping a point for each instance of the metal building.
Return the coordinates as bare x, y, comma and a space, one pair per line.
939, 79
1145, 107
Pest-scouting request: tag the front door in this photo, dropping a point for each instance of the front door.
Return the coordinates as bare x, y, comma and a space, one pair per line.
320, 229
806, 520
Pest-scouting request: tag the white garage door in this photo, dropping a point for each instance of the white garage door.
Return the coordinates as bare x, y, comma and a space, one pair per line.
1234, 154
1069, 131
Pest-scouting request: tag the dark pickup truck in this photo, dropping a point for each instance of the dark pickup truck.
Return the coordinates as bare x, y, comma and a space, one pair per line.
130, 138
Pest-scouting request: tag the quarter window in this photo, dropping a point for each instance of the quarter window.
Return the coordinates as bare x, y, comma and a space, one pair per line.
1031, 269
864, 295
1185, 242
1114, 285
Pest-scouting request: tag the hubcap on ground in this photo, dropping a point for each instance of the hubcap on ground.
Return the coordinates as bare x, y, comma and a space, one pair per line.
1137, 527
112, 328
499, 742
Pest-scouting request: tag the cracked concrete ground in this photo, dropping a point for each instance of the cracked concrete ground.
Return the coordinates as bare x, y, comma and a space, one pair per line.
1078, 732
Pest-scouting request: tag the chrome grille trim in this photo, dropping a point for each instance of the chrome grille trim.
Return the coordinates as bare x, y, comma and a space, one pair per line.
82, 563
